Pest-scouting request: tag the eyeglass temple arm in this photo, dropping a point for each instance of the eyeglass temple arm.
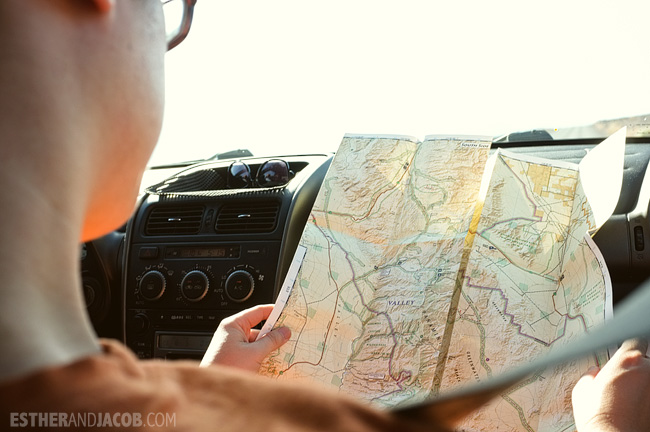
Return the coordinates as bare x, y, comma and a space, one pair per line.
186, 23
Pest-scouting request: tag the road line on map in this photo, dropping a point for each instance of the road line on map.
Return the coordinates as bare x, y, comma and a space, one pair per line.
329, 324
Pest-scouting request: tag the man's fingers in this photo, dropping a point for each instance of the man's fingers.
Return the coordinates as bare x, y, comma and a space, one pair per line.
584, 384
251, 317
592, 371
639, 344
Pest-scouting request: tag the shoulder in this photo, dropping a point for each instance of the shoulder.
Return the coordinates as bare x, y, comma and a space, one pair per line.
208, 398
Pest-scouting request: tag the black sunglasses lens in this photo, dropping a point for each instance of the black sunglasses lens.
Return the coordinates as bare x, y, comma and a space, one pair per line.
239, 175
274, 172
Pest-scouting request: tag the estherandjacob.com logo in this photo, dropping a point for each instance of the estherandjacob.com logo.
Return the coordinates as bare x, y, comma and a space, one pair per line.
91, 420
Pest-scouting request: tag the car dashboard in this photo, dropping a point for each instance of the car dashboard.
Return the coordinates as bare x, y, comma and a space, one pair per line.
195, 252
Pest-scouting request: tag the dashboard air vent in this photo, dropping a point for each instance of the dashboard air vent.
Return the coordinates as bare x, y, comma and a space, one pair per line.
174, 221
253, 217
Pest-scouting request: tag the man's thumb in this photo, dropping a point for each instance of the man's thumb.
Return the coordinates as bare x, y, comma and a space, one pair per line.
583, 387
273, 340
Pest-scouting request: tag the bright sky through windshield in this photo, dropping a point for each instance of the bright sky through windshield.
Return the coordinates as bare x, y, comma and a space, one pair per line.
287, 77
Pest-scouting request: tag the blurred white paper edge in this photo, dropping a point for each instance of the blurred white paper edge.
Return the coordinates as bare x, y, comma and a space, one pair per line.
601, 176
284, 293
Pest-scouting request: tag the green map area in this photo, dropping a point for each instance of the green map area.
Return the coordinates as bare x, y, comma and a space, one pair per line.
412, 283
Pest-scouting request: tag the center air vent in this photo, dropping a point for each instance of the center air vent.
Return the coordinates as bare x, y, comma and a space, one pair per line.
174, 221
253, 217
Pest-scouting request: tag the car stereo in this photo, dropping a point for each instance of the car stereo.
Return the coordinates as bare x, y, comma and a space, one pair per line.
176, 294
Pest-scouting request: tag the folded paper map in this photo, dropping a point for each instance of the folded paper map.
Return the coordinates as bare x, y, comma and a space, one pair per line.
428, 265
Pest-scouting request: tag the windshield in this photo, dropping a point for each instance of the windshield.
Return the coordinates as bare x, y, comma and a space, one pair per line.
292, 77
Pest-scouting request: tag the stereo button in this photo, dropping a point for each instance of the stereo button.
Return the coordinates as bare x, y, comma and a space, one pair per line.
148, 252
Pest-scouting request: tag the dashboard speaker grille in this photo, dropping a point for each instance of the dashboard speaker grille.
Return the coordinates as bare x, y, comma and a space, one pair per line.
254, 217
174, 221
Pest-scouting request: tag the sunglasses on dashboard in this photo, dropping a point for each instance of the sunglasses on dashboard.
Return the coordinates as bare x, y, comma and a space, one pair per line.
274, 172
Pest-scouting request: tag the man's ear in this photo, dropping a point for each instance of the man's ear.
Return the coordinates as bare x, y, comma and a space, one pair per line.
104, 5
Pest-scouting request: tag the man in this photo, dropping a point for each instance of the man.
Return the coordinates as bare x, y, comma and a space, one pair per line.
81, 84
81, 103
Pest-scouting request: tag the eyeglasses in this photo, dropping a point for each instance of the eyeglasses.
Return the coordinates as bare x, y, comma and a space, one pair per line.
178, 20
274, 172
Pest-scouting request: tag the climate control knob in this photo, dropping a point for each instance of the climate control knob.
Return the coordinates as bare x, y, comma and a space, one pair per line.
152, 285
239, 285
195, 286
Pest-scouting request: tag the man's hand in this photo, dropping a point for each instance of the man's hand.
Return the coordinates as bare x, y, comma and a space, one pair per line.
233, 344
616, 398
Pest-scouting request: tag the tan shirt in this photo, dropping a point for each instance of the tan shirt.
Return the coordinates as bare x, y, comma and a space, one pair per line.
115, 388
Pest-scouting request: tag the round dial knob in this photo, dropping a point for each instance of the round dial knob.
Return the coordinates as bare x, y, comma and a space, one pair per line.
140, 323
152, 285
90, 289
239, 285
195, 286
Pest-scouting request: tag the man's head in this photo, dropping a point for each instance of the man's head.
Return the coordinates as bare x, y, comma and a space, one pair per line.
83, 91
